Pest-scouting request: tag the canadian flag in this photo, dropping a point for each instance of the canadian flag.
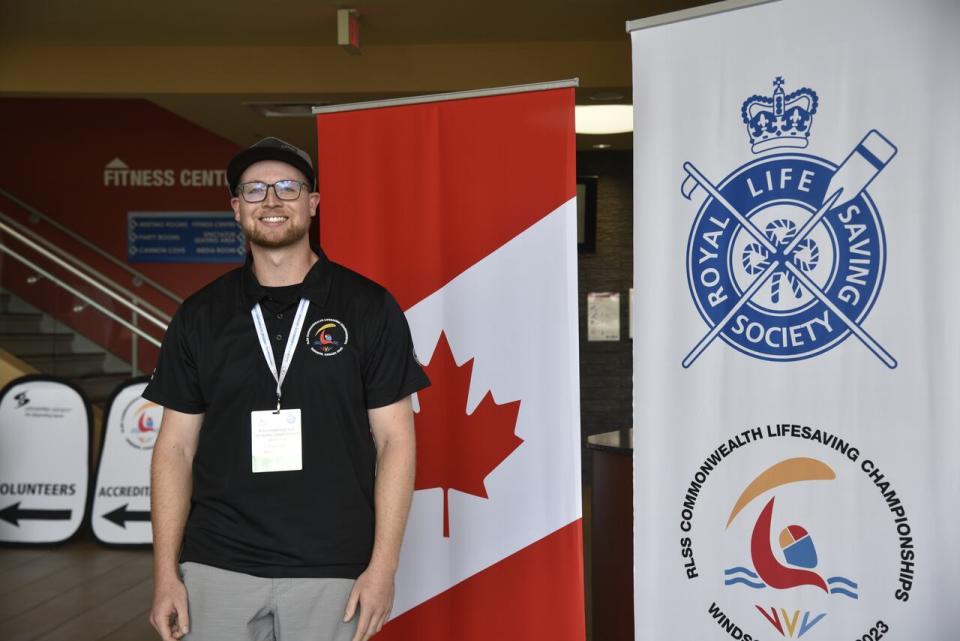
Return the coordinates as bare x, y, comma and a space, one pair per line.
464, 208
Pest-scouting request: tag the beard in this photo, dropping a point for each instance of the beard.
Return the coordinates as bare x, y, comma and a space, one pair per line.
289, 235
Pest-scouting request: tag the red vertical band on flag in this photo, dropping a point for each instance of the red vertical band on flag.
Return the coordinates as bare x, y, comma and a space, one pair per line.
411, 196
514, 599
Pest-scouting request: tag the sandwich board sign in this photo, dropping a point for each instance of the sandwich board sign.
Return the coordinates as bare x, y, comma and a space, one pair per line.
44, 460
120, 507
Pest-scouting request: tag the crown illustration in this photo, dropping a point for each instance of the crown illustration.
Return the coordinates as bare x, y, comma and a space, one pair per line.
780, 120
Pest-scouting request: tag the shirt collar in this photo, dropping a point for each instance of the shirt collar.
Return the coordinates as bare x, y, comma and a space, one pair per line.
316, 284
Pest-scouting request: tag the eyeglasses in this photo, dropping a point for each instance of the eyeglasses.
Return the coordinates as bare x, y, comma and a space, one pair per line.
256, 192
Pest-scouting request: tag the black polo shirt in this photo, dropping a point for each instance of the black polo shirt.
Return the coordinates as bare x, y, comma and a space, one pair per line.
318, 521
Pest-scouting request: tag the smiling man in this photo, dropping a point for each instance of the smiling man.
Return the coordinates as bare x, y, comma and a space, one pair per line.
283, 471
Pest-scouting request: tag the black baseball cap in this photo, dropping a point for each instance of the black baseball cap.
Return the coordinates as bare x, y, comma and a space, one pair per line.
269, 149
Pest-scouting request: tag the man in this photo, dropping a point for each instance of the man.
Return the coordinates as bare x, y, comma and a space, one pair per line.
283, 471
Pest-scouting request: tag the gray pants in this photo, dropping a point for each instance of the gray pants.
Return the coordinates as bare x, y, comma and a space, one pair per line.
229, 606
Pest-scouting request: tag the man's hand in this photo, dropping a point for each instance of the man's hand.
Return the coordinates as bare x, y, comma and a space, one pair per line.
169, 614
373, 593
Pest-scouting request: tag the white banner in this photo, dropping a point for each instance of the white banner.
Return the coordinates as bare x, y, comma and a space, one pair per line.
120, 512
796, 354
44, 460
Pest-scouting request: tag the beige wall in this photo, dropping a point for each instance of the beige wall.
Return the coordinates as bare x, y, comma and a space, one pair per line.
318, 70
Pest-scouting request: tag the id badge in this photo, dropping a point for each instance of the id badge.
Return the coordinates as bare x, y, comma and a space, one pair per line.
275, 440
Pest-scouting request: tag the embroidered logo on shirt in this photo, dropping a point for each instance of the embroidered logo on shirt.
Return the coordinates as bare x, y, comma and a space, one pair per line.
327, 337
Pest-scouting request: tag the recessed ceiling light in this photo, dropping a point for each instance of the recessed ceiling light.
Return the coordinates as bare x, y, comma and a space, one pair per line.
604, 119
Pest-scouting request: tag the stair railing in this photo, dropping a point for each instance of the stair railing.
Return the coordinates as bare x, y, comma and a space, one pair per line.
138, 277
137, 306
76, 262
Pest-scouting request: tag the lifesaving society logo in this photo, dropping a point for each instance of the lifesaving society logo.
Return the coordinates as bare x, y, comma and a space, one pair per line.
327, 337
140, 423
787, 253
794, 544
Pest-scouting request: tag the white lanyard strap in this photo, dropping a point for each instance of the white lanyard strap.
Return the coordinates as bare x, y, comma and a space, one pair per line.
291, 347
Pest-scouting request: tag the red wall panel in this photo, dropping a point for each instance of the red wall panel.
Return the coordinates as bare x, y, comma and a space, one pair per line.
55, 154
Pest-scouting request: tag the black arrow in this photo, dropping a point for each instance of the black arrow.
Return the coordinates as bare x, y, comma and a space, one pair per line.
121, 515
13, 514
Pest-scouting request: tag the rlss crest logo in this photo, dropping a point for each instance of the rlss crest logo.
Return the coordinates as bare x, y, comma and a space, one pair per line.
787, 254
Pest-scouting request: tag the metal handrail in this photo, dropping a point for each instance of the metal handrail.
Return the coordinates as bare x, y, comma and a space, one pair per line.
76, 292
91, 246
67, 256
76, 272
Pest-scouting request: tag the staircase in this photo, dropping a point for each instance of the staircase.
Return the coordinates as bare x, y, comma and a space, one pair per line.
50, 347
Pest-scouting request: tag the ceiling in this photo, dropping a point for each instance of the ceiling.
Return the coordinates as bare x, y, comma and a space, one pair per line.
206, 60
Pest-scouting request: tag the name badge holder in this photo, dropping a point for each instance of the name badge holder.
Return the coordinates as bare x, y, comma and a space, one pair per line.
275, 435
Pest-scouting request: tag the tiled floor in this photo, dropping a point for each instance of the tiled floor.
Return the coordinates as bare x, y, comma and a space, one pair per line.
81, 591
76, 592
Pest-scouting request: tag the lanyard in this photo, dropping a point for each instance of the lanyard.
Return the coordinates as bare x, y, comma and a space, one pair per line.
291, 347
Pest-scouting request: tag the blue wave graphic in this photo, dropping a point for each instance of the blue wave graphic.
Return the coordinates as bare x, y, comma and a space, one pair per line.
757, 584
740, 579
840, 579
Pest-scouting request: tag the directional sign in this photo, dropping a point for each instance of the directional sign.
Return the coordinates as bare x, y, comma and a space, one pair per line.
121, 516
44, 460
184, 237
14, 514
120, 512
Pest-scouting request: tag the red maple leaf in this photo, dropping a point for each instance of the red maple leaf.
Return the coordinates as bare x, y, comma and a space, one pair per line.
456, 450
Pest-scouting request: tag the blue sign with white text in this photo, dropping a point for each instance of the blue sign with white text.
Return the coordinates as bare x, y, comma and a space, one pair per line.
184, 237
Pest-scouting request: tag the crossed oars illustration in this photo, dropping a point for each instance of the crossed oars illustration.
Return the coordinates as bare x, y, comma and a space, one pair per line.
857, 171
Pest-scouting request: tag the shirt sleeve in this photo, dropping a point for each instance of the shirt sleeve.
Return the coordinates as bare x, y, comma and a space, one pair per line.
175, 383
391, 370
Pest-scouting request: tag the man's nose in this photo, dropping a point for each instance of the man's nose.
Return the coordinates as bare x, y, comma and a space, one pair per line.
271, 199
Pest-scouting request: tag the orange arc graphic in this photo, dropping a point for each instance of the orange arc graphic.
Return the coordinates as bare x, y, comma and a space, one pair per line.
146, 406
326, 326
791, 470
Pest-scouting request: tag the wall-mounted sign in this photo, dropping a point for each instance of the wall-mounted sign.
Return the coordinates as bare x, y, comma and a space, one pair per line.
120, 510
603, 316
44, 460
184, 237
119, 174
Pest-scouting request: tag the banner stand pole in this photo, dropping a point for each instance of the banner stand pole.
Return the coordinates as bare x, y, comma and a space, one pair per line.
453, 95
693, 12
